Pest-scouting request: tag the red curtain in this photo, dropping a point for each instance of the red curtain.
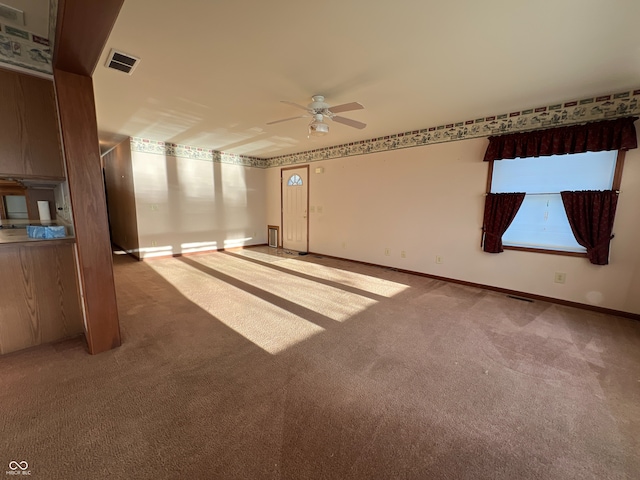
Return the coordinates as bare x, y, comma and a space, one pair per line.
499, 211
591, 215
618, 134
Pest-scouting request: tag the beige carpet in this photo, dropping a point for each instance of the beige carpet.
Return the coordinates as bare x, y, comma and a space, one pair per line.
251, 365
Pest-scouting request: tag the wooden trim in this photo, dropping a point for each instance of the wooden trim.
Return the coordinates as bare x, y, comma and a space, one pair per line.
82, 31
282, 200
617, 175
40, 242
3, 213
16, 190
294, 167
532, 296
489, 182
280, 241
490, 176
44, 178
308, 199
542, 250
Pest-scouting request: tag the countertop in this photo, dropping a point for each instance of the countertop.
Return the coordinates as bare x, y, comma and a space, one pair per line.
19, 235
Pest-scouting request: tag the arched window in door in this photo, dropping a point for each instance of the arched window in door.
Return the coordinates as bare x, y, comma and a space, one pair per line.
294, 181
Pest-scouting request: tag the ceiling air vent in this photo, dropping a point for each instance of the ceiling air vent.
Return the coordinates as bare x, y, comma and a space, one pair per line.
122, 61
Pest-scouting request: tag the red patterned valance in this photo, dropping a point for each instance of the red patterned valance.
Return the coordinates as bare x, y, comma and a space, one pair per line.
618, 134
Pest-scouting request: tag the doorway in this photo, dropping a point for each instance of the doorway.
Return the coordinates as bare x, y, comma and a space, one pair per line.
295, 208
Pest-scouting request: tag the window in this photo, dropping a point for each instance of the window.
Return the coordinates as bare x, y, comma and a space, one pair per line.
541, 222
294, 180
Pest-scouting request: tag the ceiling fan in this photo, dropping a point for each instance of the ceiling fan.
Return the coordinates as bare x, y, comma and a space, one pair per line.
318, 110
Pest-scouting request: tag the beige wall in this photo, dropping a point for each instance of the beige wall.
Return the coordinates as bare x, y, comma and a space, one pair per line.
121, 197
429, 201
185, 205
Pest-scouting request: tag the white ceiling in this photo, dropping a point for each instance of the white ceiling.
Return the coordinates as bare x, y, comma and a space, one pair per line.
213, 73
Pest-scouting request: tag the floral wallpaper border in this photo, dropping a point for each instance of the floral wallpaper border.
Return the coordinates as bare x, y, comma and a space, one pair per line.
53, 21
578, 111
25, 49
22, 48
196, 153
567, 113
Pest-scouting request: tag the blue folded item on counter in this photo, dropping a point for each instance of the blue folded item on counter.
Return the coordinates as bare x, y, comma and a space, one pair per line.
57, 231
46, 232
34, 231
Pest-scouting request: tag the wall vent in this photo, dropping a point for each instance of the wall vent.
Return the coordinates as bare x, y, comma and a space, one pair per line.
122, 61
11, 14
273, 235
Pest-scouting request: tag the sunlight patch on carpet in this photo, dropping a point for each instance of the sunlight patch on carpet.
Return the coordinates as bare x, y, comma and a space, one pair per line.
268, 326
335, 303
370, 284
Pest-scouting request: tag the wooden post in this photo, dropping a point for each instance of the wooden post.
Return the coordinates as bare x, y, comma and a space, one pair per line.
86, 188
82, 31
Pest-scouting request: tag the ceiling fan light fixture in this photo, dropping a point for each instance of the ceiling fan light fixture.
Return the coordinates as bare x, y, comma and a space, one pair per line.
318, 128
319, 111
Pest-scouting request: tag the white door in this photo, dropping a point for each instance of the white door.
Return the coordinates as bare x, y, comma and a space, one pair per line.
295, 192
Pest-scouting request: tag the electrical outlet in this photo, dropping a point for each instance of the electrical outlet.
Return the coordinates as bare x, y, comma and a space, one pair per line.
403, 254
154, 243
154, 208
387, 252
344, 244
319, 209
438, 259
312, 209
560, 277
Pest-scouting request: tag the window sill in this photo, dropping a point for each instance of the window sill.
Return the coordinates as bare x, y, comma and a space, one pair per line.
543, 250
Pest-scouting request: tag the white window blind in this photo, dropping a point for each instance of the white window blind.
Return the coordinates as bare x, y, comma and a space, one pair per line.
541, 221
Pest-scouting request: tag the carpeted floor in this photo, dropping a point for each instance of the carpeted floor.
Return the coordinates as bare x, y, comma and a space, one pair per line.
251, 365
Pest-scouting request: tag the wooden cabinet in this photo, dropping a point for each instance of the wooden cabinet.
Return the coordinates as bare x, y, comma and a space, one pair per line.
39, 295
29, 134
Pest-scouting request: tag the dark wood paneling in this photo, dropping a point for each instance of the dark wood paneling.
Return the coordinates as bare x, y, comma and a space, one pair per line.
121, 198
86, 187
41, 302
34, 195
81, 33
29, 135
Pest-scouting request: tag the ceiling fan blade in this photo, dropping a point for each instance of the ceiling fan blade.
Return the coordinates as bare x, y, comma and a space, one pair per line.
287, 119
346, 107
350, 122
295, 105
